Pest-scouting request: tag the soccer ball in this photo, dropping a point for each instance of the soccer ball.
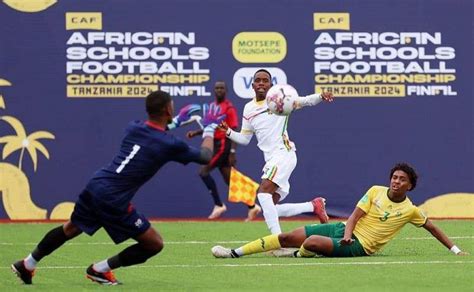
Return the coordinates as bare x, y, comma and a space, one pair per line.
282, 99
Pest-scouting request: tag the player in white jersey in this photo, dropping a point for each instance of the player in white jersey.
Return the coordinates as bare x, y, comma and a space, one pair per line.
279, 153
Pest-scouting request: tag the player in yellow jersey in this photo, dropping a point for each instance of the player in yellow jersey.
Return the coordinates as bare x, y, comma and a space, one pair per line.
377, 218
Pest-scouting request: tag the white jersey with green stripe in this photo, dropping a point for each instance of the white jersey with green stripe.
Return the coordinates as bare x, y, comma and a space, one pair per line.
270, 129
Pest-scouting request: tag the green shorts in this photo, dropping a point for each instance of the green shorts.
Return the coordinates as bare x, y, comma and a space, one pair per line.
335, 231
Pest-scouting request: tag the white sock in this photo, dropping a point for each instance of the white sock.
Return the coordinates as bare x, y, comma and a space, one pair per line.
239, 251
30, 262
288, 210
270, 212
101, 267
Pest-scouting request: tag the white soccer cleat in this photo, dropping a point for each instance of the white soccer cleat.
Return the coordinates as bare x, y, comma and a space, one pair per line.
221, 252
284, 252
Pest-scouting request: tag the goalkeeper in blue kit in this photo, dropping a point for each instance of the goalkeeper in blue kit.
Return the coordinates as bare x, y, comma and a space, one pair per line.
105, 201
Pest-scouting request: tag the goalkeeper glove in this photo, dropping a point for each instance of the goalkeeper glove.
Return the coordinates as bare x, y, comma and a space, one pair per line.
184, 116
211, 118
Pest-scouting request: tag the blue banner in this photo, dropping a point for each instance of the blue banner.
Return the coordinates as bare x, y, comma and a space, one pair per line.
74, 73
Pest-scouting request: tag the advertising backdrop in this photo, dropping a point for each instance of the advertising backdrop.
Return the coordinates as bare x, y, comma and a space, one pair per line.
74, 73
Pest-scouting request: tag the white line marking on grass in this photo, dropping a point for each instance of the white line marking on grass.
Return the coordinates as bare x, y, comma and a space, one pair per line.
425, 238
277, 264
207, 242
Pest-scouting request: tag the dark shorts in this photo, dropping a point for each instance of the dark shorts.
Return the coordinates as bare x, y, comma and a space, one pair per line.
336, 232
220, 157
91, 214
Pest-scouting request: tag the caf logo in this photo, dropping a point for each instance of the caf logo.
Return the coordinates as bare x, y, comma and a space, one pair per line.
30, 5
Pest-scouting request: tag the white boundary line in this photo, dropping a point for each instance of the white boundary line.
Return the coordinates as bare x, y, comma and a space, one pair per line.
430, 237
378, 263
205, 242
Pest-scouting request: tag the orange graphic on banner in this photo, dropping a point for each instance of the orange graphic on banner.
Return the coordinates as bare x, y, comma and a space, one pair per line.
242, 188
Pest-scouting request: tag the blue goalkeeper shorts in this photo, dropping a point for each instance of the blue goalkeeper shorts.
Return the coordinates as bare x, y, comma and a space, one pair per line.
90, 214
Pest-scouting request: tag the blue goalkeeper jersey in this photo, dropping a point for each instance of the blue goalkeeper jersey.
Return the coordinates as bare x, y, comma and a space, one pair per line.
144, 150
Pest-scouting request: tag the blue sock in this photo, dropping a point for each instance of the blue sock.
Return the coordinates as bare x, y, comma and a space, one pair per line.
211, 186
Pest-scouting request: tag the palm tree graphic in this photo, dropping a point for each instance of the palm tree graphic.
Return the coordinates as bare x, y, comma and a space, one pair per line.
22, 141
3, 82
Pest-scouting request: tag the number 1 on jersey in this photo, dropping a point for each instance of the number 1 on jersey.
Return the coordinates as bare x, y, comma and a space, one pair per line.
128, 158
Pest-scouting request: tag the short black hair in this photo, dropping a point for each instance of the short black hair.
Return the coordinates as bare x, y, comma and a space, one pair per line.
263, 70
221, 81
156, 102
410, 171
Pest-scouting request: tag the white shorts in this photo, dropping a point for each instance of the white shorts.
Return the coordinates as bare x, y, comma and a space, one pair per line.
278, 170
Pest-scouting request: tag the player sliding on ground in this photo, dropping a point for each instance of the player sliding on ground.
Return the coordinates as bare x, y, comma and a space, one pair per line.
279, 153
377, 218
105, 201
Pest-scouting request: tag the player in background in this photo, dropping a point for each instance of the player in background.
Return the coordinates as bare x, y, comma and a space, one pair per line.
378, 217
224, 154
278, 150
105, 201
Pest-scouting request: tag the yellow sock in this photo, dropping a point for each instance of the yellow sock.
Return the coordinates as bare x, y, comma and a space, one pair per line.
266, 243
304, 253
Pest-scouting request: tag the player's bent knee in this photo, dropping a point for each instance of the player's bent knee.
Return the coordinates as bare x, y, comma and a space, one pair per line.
71, 230
158, 246
150, 250
150, 241
319, 244
265, 189
285, 239
267, 186
312, 243
293, 238
153, 246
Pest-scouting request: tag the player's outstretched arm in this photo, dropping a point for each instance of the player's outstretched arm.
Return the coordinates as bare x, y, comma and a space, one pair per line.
350, 225
242, 138
207, 147
443, 238
210, 120
314, 99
